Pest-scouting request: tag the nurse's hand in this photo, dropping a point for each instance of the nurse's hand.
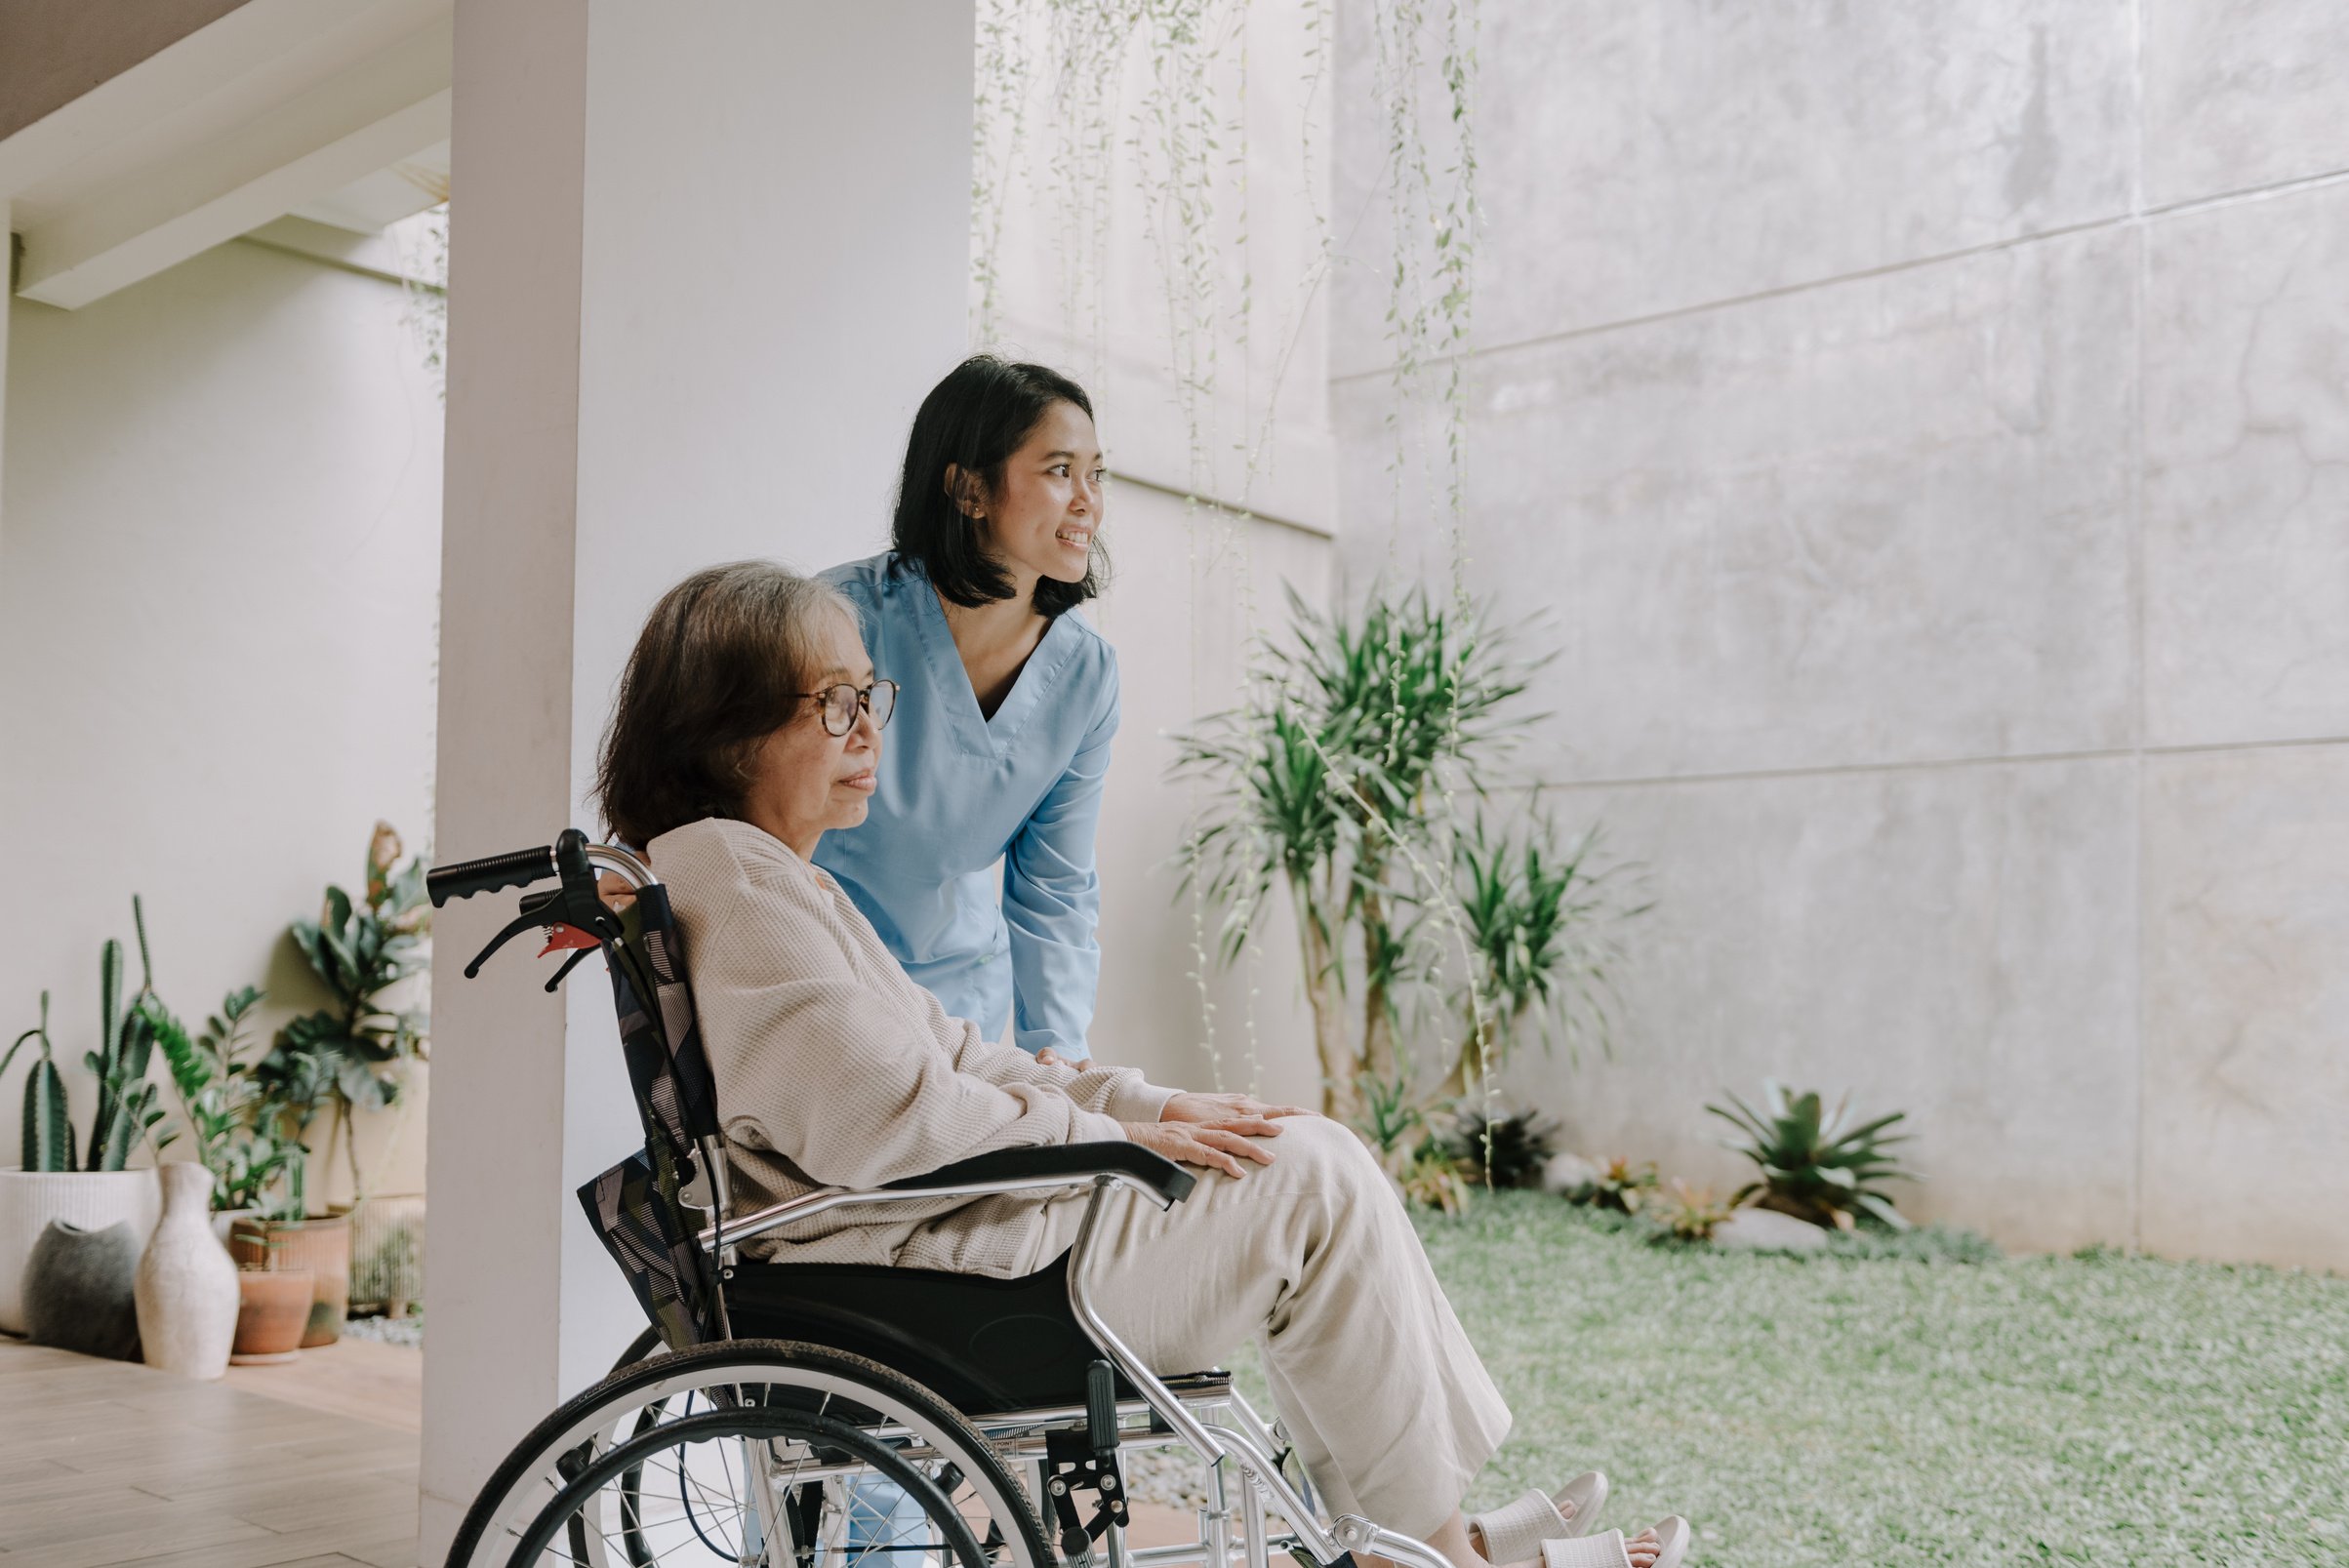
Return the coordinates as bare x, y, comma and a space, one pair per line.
1244, 1115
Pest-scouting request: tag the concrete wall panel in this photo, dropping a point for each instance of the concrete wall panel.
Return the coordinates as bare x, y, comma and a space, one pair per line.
2247, 1015
1881, 522
2242, 93
2246, 453
1641, 158
1976, 925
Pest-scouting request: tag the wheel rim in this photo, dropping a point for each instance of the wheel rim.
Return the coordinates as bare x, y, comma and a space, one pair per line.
720, 1520
597, 1429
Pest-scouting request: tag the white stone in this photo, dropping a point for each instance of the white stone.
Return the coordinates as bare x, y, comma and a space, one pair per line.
1767, 1231
1567, 1174
188, 1292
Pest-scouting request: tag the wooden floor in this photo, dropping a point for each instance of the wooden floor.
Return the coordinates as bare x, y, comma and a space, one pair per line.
108, 1463
307, 1464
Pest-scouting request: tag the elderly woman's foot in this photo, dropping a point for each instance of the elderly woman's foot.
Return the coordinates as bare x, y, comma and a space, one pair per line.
1662, 1546
1515, 1531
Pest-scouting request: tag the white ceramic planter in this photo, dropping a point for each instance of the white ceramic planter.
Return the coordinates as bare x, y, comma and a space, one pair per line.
91, 1199
188, 1292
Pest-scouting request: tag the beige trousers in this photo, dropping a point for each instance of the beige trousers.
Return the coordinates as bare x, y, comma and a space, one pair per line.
1313, 1256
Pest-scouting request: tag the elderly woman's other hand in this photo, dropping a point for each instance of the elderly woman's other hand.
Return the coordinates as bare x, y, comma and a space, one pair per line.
1244, 1115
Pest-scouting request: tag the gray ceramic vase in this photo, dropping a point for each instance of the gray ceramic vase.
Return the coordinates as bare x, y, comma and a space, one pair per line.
80, 1290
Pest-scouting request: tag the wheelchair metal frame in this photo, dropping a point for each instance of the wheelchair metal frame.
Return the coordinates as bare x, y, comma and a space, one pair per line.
1245, 1443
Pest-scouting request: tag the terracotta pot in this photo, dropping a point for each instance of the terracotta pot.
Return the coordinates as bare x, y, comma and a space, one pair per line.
321, 1245
273, 1308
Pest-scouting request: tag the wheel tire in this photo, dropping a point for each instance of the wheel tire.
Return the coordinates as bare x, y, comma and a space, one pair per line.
574, 1513
577, 1434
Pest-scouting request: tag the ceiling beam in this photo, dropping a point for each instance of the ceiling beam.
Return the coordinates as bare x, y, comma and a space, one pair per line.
162, 199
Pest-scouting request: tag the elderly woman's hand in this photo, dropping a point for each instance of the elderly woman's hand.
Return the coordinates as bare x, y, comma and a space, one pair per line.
1211, 1146
1244, 1115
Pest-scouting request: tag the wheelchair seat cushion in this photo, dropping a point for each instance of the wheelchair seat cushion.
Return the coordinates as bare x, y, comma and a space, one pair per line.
986, 1346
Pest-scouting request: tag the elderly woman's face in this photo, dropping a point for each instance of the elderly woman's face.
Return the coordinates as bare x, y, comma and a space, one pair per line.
805, 780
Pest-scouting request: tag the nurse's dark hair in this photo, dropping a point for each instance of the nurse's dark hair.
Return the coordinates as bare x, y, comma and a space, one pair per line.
970, 424
721, 666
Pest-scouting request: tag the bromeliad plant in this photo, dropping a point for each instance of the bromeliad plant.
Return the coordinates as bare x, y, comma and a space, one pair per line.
1338, 780
1815, 1165
350, 1056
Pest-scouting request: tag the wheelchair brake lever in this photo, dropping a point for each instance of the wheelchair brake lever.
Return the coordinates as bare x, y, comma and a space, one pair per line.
569, 964
527, 920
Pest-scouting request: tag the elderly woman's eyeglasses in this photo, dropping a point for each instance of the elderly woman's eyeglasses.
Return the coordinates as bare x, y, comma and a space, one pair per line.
840, 704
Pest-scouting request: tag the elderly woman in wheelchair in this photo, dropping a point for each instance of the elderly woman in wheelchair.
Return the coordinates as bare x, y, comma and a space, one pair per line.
919, 1261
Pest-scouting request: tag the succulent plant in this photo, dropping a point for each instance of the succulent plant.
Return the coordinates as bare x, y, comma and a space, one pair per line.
48, 1135
1815, 1165
1689, 1212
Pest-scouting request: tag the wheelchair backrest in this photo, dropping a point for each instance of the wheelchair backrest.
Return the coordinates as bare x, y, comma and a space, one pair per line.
647, 1208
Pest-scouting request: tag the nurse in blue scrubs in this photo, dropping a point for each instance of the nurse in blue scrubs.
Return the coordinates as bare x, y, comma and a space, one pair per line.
1007, 703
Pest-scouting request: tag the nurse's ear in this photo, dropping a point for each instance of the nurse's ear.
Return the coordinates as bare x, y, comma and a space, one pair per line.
968, 490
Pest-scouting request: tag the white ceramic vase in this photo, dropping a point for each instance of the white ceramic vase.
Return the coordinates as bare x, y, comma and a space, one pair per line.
188, 1292
90, 1199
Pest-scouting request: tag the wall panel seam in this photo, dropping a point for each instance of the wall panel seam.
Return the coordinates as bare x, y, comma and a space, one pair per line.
2119, 220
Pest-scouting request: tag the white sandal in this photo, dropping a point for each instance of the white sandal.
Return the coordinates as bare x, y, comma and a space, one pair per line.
1607, 1550
1516, 1531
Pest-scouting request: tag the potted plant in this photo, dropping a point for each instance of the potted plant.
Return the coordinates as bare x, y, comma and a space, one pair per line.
97, 1188
213, 1075
339, 1061
273, 1309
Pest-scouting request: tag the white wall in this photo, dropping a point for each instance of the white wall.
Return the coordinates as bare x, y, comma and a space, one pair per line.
1924, 426
1090, 271
217, 580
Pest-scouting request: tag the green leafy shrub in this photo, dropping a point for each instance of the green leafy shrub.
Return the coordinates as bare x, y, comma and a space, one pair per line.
1815, 1165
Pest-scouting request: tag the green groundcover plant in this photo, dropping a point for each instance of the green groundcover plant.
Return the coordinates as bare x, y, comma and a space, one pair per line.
1877, 1406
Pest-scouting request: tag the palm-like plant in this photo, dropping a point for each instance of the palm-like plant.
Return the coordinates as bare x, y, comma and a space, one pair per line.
1814, 1164
1332, 780
1543, 917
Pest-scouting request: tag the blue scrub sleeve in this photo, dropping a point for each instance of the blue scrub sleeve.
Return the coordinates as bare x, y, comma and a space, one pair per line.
1052, 901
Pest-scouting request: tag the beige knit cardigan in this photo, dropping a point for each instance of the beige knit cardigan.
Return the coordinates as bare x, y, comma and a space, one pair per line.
835, 1069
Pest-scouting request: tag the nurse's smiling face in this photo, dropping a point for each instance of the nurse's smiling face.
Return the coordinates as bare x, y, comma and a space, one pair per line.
804, 780
1039, 519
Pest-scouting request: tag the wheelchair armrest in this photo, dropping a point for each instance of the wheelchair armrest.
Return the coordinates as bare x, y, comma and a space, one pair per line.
1075, 1161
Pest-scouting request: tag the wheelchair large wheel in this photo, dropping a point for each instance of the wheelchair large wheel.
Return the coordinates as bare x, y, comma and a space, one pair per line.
664, 1461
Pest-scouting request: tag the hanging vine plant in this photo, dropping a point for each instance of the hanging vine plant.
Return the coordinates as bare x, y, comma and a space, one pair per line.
1339, 774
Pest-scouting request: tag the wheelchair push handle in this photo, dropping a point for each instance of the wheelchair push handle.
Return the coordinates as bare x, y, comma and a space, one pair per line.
514, 869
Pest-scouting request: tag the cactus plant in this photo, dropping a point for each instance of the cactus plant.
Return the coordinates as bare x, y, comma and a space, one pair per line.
48, 1136
126, 1100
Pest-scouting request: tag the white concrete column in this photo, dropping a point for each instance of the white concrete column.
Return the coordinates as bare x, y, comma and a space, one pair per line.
705, 260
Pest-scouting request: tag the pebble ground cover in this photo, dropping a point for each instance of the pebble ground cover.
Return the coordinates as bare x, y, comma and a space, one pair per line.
1847, 1410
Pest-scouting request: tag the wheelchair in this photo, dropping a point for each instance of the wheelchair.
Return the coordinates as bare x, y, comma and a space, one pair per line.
819, 1416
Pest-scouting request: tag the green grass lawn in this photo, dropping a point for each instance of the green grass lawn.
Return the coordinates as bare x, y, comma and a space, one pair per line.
1868, 1410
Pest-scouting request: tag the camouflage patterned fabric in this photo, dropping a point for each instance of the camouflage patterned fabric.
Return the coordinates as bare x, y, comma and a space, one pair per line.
639, 1206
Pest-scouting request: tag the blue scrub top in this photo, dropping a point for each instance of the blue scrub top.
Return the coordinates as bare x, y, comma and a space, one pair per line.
957, 791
